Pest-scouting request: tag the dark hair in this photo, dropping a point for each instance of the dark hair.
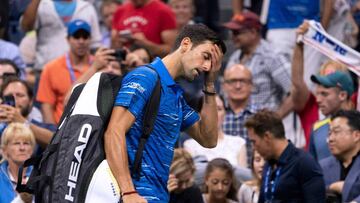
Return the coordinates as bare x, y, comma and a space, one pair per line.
134, 47
266, 121
225, 165
15, 79
352, 116
198, 34
11, 63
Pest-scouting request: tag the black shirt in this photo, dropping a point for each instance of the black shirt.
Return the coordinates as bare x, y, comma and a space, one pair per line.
189, 195
295, 177
344, 171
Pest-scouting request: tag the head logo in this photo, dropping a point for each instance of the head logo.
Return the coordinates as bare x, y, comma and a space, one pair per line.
84, 135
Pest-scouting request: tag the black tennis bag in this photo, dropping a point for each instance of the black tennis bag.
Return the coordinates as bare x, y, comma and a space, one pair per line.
64, 170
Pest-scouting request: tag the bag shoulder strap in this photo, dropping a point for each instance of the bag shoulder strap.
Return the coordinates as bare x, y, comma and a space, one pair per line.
72, 100
151, 111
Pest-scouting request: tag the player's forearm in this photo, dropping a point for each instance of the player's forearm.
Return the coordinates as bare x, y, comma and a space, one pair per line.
208, 122
116, 155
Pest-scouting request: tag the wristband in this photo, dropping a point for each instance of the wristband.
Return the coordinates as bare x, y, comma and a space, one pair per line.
129, 193
208, 93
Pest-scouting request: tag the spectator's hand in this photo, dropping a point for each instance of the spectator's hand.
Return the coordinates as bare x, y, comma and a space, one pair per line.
172, 183
26, 197
10, 114
139, 38
102, 58
303, 28
216, 59
337, 187
133, 198
116, 40
356, 7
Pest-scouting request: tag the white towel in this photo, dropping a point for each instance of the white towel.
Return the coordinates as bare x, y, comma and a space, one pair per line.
317, 38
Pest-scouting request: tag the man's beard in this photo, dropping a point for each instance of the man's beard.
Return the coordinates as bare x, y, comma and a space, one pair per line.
25, 111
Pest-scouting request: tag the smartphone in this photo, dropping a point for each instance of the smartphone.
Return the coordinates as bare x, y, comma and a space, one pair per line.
125, 34
9, 100
120, 54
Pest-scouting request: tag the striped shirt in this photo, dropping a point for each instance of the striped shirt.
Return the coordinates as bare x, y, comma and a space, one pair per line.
271, 75
234, 124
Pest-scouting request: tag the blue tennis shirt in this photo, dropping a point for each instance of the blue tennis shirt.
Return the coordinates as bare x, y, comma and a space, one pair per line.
174, 116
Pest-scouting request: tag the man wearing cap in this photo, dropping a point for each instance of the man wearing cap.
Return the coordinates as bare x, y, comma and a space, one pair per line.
332, 93
50, 19
312, 106
59, 75
271, 72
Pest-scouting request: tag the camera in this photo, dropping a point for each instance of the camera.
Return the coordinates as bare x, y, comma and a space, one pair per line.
9, 100
119, 54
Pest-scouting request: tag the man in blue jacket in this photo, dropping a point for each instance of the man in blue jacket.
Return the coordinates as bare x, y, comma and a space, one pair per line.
342, 170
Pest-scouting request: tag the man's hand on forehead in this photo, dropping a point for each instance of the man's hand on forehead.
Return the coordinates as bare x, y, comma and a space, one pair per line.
216, 58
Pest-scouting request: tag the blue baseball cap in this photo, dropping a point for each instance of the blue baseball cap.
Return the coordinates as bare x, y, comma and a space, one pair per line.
77, 25
339, 79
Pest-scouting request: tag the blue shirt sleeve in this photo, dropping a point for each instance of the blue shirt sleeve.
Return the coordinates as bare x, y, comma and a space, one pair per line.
190, 116
136, 89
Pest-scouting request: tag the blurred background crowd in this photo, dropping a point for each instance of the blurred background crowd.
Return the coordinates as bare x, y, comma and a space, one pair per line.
48, 46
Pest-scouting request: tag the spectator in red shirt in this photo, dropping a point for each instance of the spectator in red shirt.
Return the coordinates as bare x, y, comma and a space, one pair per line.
148, 23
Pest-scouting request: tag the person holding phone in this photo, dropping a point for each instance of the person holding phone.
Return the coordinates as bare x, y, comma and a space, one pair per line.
16, 107
147, 23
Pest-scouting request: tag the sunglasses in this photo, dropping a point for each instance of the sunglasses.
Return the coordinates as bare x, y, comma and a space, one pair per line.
81, 34
238, 32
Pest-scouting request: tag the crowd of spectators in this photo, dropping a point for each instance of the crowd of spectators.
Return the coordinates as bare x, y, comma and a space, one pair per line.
288, 120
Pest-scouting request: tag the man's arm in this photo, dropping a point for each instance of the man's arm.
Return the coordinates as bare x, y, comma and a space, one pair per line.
205, 131
116, 151
280, 73
327, 11
11, 114
42, 135
167, 36
299, 91
47, 111
286, 107
237, 6
29, 16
